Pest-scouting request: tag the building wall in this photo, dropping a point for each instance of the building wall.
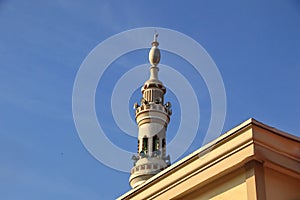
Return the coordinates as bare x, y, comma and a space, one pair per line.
232, 186
281, 186
252, 161
278, 185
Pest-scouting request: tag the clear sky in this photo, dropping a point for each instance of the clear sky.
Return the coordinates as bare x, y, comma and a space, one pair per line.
255, 44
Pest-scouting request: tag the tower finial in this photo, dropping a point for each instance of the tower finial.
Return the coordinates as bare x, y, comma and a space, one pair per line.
155, 43
154, 54
155, 36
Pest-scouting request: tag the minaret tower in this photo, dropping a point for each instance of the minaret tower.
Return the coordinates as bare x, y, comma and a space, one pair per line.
152, 118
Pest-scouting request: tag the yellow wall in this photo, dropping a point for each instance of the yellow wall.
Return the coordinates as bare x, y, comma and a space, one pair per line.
231, 187
251, 161
281, 186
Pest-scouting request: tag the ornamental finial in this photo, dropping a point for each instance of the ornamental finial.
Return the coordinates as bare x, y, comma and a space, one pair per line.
154, 54
155, 36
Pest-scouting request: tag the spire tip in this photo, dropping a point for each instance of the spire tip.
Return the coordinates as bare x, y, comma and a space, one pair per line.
155, 36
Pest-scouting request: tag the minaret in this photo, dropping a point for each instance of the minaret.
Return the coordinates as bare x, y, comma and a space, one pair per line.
152, 118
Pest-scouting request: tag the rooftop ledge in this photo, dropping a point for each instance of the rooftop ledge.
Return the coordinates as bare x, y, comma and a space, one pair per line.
251, 140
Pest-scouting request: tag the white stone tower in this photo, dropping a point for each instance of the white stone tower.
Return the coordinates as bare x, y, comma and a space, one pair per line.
152, 118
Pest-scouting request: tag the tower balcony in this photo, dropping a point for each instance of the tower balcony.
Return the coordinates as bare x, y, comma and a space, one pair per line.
152, 112
152, 107
145, 168
156, 154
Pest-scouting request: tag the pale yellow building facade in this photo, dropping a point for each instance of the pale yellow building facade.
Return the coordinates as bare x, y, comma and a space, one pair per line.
251, 161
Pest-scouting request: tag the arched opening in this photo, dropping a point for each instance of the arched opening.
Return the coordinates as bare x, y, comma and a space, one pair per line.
145, 145
155, 145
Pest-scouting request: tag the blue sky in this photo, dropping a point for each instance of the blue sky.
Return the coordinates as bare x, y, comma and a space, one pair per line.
255, 44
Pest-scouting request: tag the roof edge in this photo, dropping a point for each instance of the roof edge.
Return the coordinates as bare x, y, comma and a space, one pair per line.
203, 150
